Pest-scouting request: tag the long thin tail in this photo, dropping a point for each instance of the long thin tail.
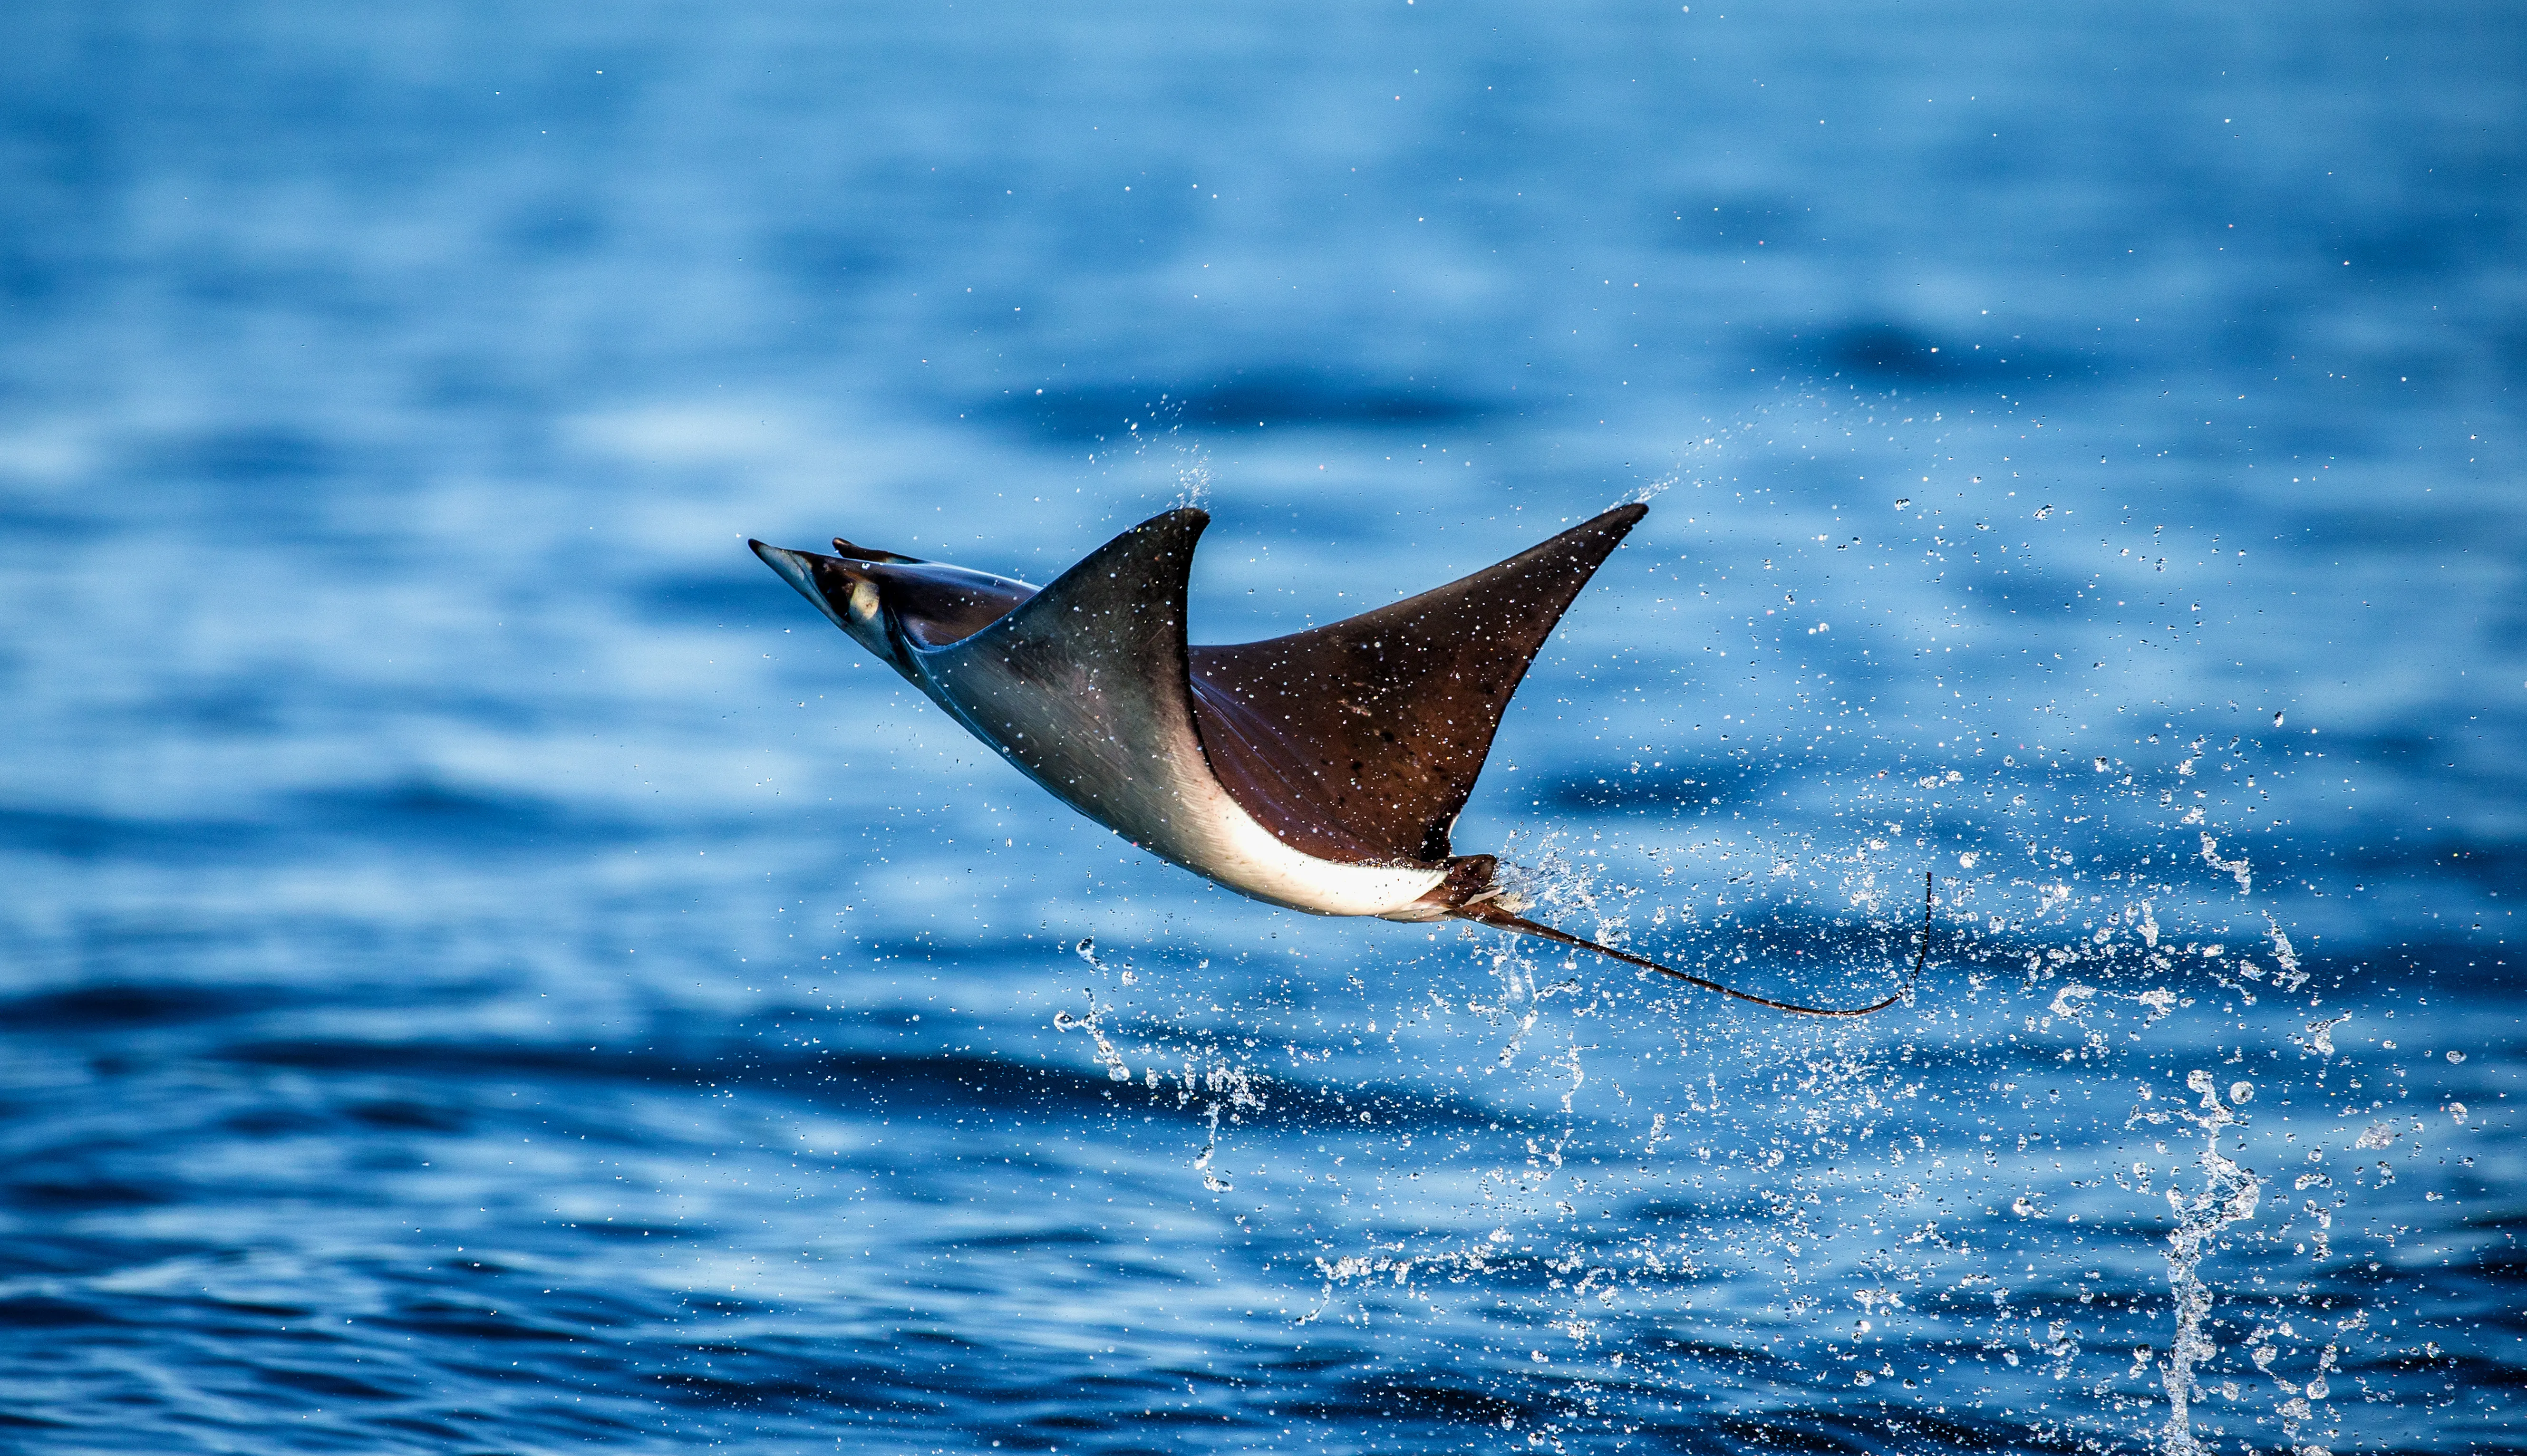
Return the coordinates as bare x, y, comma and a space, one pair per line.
1484, 913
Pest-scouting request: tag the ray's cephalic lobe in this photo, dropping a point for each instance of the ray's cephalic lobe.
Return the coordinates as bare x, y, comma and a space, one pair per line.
1321, 770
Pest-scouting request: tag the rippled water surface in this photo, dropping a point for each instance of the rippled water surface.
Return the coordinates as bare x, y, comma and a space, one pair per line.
486, 968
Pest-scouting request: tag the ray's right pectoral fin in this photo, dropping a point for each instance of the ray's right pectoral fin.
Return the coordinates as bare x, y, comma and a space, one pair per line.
1083, 686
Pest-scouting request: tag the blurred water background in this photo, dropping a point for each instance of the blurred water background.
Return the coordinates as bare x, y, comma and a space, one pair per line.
487, 969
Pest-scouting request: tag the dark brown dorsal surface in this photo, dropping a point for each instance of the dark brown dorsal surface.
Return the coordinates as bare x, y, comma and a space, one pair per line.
1361, 740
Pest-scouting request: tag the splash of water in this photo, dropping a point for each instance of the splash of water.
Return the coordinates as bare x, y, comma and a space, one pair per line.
2228, 1195
1062, 1021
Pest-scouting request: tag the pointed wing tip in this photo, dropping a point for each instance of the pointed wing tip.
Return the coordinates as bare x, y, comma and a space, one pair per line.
1604, 531
1181, 527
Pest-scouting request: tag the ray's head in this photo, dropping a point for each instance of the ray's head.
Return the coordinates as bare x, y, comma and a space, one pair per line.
893, 604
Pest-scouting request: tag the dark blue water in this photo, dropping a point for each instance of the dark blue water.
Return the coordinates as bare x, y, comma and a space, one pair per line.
483, 969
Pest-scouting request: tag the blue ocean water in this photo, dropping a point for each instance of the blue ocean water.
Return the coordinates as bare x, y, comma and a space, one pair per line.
487, 969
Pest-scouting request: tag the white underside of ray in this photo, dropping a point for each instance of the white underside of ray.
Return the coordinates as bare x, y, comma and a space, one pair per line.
1245, 856
1091, 742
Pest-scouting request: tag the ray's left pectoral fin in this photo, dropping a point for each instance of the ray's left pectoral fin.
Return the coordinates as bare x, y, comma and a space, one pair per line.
1083, 686
1364, 737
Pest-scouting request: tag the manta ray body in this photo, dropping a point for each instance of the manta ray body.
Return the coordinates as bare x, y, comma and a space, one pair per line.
1322, 771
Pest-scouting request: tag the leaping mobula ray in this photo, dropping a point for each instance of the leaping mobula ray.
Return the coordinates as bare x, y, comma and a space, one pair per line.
1321, 770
